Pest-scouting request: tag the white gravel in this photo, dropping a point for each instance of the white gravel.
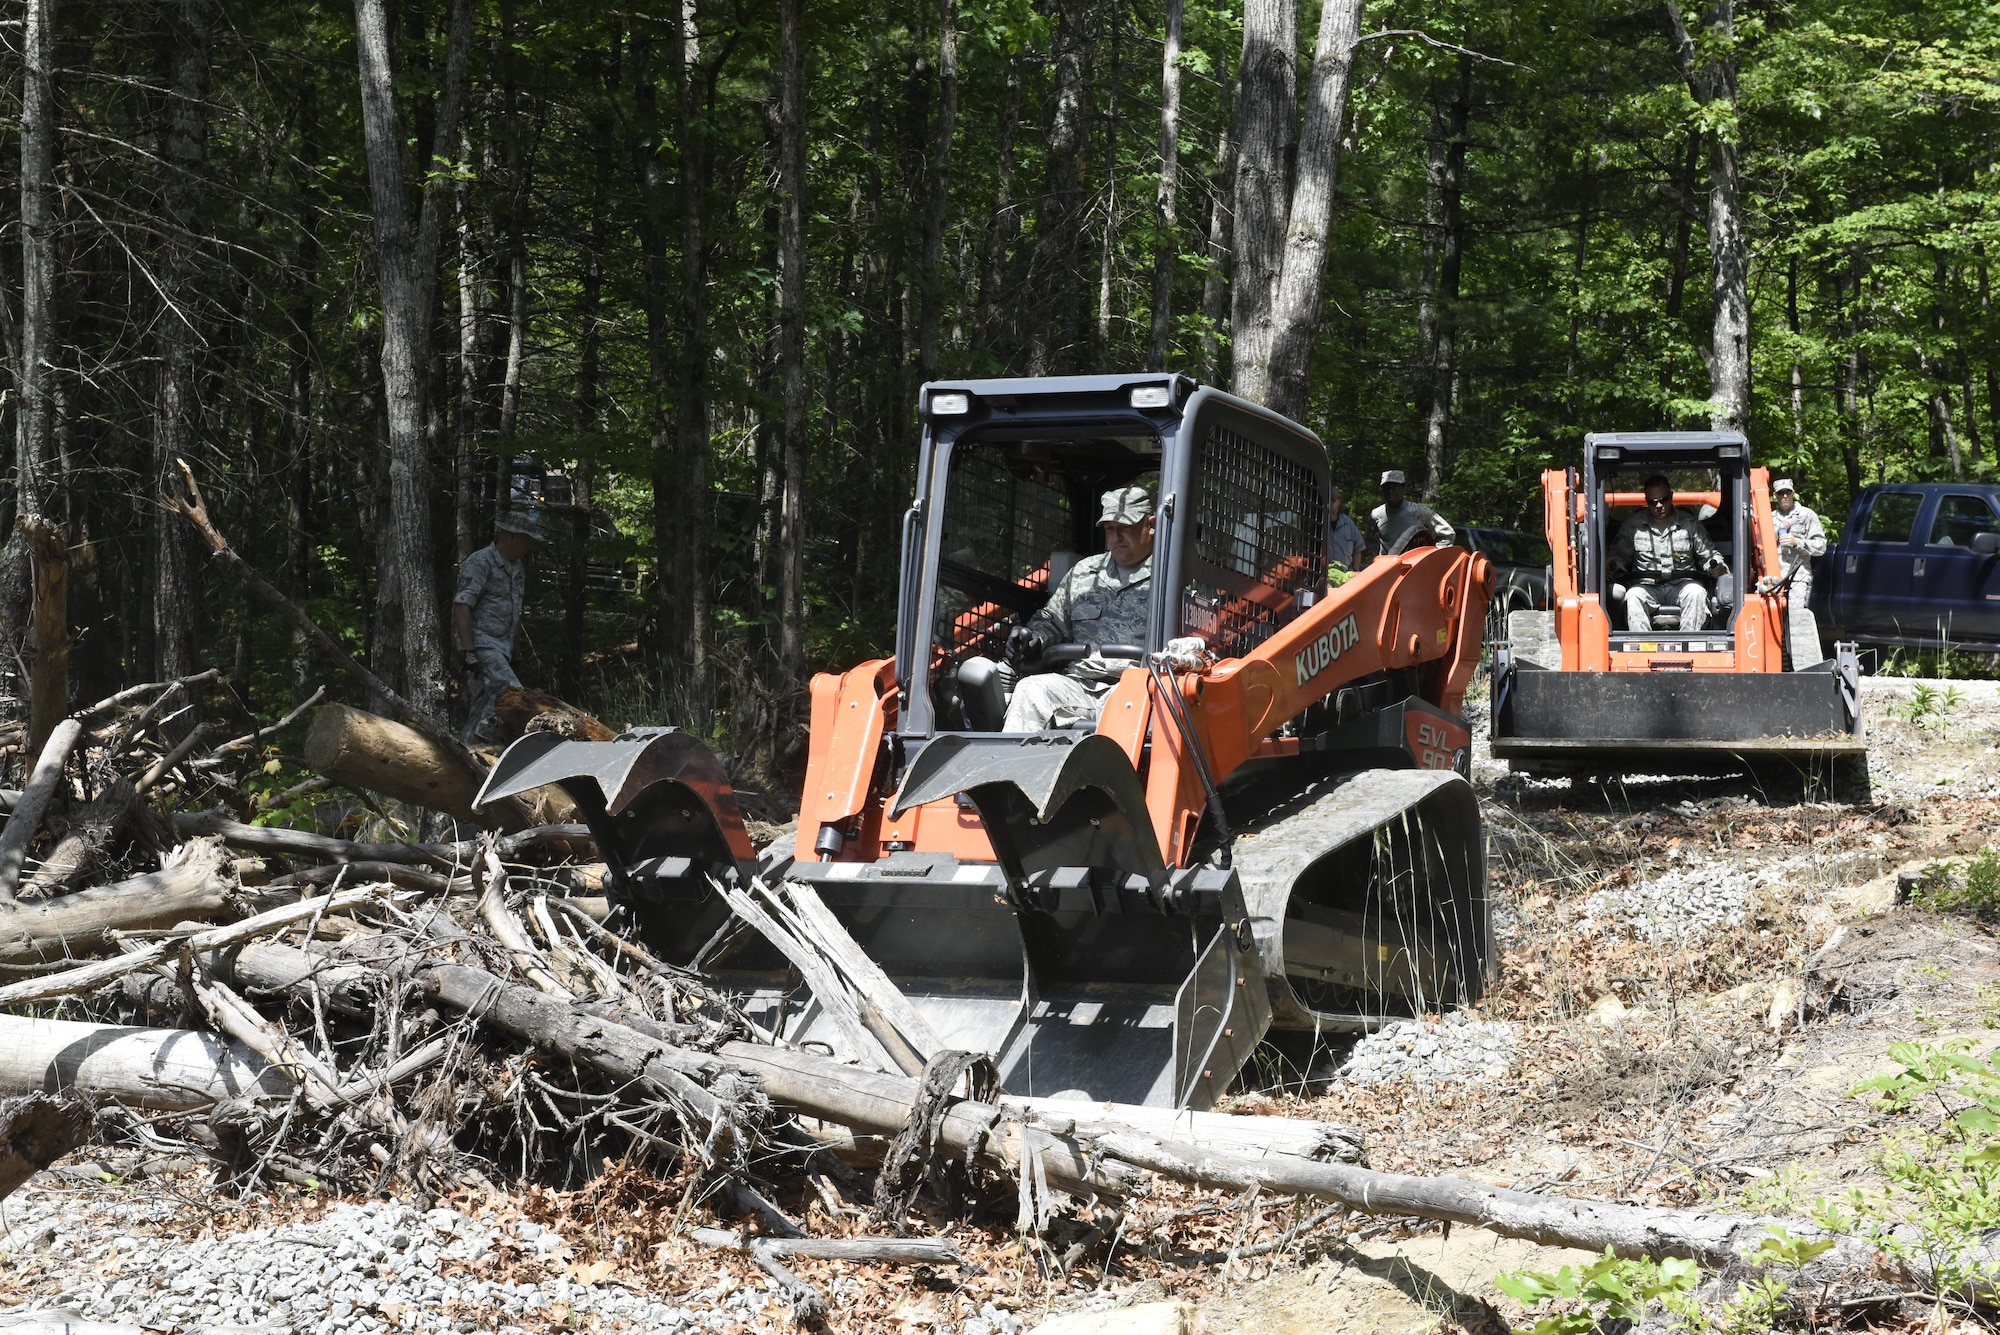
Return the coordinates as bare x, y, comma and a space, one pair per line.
1685, 903
1456, 1048
361, 1269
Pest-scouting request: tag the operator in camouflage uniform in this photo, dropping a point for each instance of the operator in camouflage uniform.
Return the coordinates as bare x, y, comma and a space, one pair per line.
1663, 550
1801, 537
486, 615
1105, 599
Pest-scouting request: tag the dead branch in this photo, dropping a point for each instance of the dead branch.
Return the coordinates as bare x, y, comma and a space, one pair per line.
894, 1251
26, 818
200, 883
250, 739
171, 1070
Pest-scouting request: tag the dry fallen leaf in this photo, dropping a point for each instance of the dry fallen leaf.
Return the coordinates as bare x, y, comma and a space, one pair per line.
596, 1272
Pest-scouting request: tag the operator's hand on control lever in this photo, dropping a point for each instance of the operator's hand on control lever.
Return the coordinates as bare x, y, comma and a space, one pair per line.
1189, 653
1024, 645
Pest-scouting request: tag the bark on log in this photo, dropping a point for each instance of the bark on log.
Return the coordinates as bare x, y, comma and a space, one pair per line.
1231, 1133
363, 750
200, 884
48, 671
35, 797
170, 1070
302, 843
258, 970
35, 1131
897, 1251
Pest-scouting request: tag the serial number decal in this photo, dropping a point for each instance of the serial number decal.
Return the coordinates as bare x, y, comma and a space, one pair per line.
1325, 651
1433, 746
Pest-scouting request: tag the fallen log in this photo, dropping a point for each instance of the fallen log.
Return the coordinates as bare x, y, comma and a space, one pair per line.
304, 843
896, 1251
169, 1070
199, 883
35, 1131
1234, 1133
26, 818
363, 750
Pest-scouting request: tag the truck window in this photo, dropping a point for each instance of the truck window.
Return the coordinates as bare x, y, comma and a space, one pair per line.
1959, 518
1891, 517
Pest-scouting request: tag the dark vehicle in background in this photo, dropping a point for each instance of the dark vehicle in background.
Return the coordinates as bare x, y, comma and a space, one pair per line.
1520, 573
1917, 566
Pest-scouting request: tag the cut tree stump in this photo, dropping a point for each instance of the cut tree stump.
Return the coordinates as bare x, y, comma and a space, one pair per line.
35, 1131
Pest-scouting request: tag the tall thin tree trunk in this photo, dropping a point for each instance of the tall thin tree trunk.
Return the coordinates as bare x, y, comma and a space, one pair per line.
589, 392
1713, 80
1266, 95
931, 307
300, 515
516, 227
176, 594
792, 352
1295, 306
1108, 252
1166, 202
1215, 282
1798, 358
407, 262
471, 368
1447, 217
1052, 273
1006, 223
693, 424
34, 421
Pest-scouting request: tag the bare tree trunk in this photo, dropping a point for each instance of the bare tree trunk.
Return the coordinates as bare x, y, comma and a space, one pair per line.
1711, 81
1052, 273
1850, 388
1215, 283
471, 367
517, 244
932, 306
48, 649
589, 399
1166, 204
407, 262
1446, 220
1006, 223
1266, 94
1107, 254
693, 428
300, 514
1295, 306
176, 593
792, 355
34, 419
1798, 361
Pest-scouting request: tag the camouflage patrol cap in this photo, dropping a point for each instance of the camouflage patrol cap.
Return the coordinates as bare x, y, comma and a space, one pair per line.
1782, 484
1126, 505
518, 521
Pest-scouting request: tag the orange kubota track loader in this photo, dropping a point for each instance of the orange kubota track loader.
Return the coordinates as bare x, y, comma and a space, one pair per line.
1578, 690
1120, 909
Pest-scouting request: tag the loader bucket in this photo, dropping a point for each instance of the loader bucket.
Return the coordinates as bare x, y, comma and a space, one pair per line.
663, 814
1675, 722
1370, 902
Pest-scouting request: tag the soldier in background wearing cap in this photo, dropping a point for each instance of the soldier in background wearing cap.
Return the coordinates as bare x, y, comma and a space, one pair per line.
1105, 599
1396, 520
1800, 539
486, 614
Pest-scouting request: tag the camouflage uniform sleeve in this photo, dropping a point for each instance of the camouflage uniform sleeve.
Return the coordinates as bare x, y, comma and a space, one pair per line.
1814, 539
472, 578
1622, 556
1442, 527
1052, 622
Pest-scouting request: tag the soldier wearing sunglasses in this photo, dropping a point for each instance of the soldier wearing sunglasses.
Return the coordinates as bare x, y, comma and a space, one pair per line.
1663, 551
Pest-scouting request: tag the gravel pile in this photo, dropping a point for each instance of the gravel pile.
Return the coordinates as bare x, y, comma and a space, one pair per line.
1684, 903
1456, 1048
370, 1268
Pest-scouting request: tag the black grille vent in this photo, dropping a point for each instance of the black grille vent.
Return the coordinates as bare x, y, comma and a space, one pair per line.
1261, 519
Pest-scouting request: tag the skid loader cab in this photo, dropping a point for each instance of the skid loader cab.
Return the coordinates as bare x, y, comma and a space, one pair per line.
1601, 695
1121, 909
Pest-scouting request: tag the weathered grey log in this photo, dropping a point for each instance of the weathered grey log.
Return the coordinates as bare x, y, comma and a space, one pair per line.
199, 885
26, 818
35, 1131
1229, 1133
260, 970
171, 1070
453, 856
897, 1251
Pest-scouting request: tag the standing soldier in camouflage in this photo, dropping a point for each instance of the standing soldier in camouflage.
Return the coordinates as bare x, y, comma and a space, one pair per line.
1664, 550
1800, 539
1402, 524
486, 615
1105, 599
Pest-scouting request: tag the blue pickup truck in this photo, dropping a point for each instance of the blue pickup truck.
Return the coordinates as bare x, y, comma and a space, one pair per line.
1918, 565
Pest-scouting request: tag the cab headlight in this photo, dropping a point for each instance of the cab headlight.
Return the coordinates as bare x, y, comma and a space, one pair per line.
952, 404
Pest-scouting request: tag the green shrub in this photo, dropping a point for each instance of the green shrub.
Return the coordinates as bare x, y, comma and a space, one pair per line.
1952, 886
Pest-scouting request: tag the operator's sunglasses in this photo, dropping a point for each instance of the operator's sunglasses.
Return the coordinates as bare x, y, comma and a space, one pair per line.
1659, 502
